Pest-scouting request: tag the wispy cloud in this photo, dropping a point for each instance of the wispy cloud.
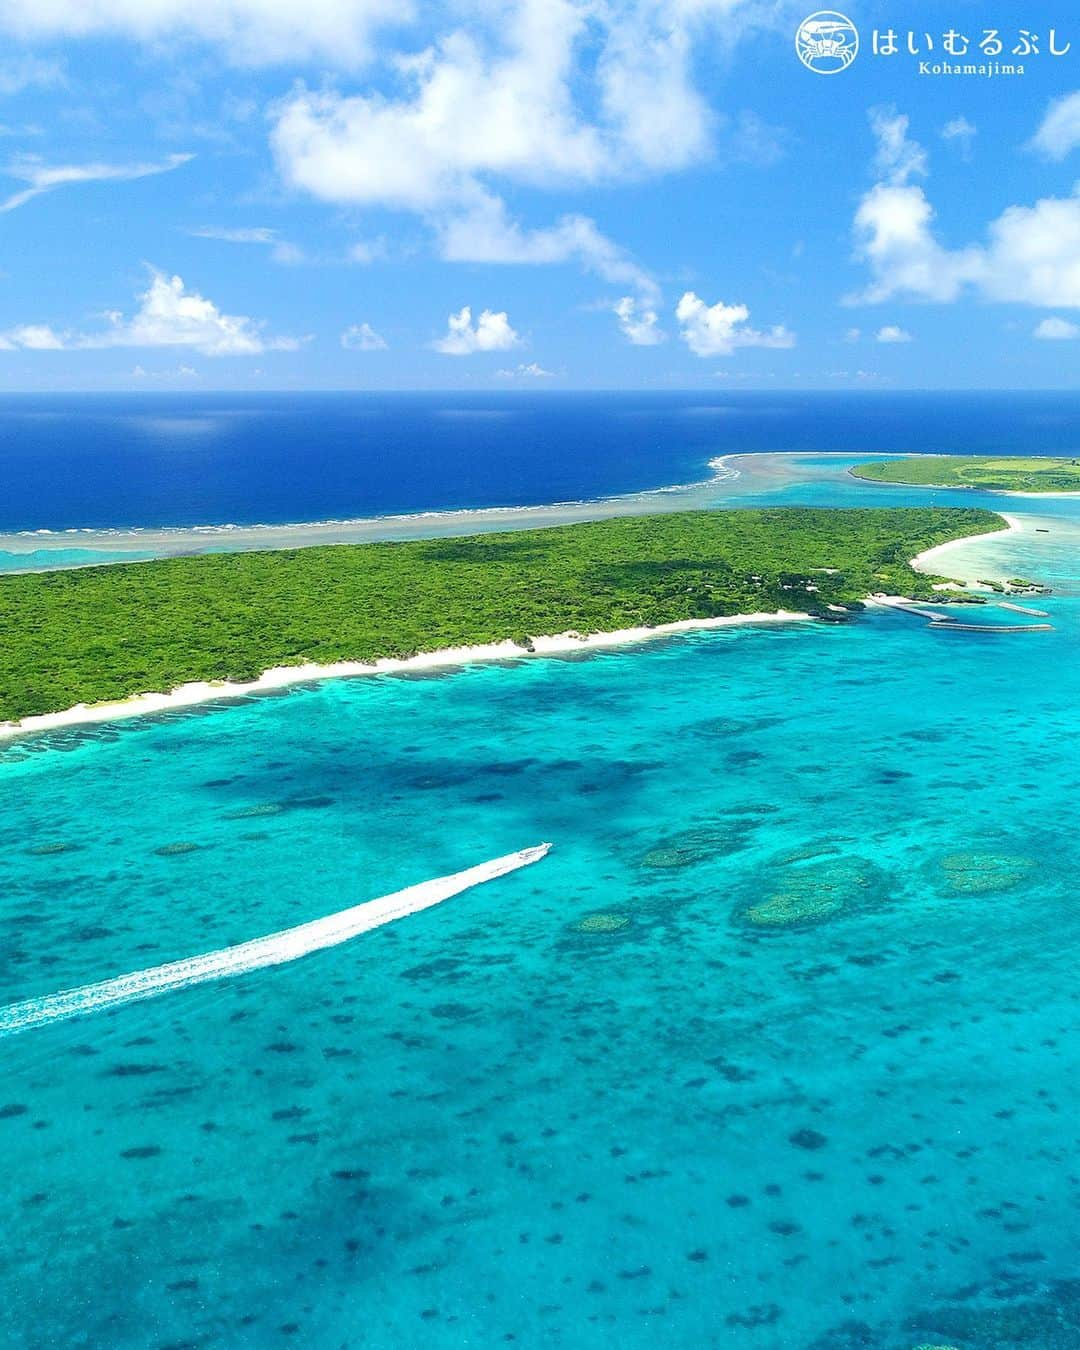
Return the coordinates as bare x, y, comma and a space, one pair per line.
961, 132
361, 337
24, 72
1059, 131
530, 371
46, 178
1055, 329
280, 249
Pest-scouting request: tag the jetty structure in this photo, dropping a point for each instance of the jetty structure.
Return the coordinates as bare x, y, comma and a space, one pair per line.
941, 622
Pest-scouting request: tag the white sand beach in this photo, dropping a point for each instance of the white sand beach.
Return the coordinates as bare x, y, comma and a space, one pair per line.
280, 677
930, 560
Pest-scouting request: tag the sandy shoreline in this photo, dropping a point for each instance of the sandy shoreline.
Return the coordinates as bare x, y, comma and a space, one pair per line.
280, 677
925, 561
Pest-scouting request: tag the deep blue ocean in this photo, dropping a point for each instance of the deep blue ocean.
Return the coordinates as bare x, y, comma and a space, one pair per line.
102, 461
777, 1050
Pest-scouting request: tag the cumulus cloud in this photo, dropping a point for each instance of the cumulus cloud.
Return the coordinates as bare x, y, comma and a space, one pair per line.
541, 93
361, 337
249, 32
716, 330
1054, 329
553, 91
639, 322
1031, 254
465, 111
894, 236
46, 178
491, 333
168, 316
1059, 131
32, 337
280, 249
892, 332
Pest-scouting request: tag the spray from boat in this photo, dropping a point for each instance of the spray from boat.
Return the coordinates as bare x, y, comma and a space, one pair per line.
273, 950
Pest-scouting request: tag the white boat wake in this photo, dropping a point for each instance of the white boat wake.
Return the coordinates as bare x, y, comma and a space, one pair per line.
272, 950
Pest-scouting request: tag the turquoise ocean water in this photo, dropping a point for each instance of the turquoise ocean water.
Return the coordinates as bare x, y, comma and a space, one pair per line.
484, 1126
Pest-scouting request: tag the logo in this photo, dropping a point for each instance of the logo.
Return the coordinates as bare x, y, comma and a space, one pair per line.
827, 42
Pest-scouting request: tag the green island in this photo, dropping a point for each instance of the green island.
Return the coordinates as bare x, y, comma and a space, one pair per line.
994, 475
104, 633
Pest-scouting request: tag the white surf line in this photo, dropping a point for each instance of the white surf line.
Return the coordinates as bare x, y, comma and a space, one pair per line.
282, 677
273, 950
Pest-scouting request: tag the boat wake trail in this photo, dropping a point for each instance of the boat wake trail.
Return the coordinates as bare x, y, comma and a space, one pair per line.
272, 950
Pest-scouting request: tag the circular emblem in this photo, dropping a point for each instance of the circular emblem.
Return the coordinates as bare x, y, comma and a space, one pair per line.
827, 42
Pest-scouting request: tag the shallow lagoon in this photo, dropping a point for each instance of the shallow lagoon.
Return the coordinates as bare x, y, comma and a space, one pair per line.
483, 1125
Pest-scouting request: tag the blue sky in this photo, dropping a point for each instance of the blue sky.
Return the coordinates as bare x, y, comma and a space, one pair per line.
532, 193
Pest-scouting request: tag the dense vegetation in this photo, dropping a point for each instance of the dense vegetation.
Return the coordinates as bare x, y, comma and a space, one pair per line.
1001, 475
109, 632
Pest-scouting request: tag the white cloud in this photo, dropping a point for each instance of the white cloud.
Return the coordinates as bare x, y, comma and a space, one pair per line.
168, 316
484, 233
893, 234
464, 113
541, 93
251, 32
361, 337
853, 335
1059, 131
181, 372
892, 332
1033, 257
171, 316
960, 130
898, 158
532, 371
25, 72
626, 42
43, 178
491, 333
367, 251
749, 139
1054, 329
716, 330
33, 337
1031, 254
255, 235
639, 322
280, 249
